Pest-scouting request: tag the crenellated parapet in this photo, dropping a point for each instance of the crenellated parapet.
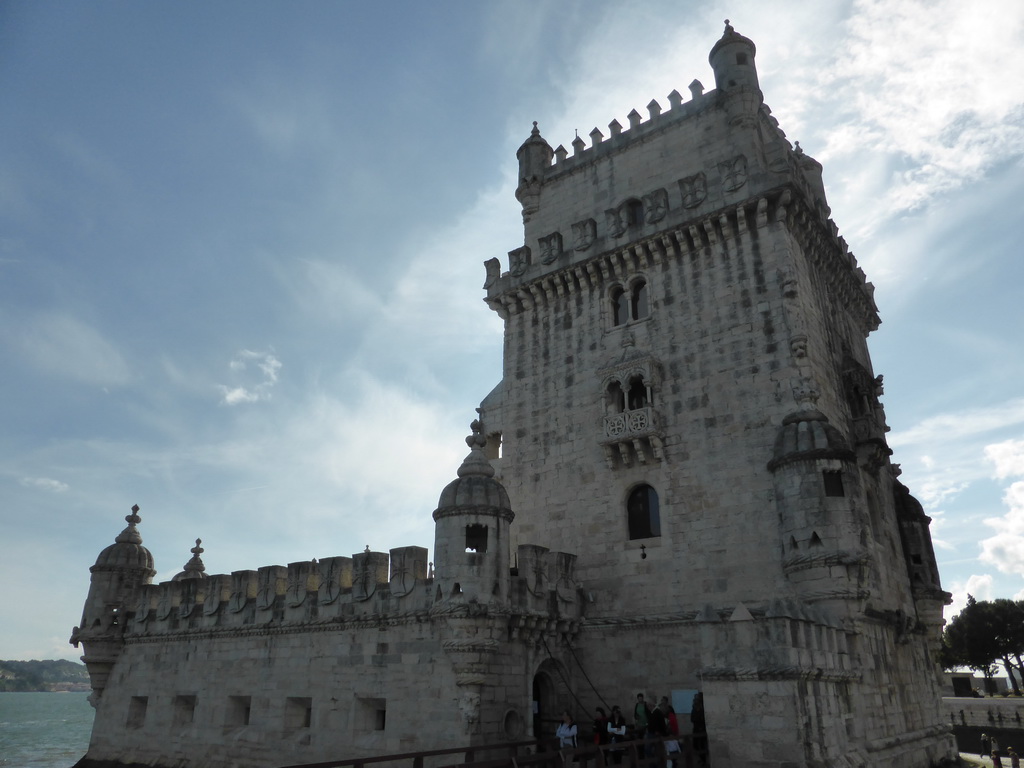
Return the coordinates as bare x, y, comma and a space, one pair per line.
368, 586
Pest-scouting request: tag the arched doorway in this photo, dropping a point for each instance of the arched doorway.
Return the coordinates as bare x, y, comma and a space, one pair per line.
550, 697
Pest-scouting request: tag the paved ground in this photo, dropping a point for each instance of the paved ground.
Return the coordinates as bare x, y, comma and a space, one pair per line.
973, 759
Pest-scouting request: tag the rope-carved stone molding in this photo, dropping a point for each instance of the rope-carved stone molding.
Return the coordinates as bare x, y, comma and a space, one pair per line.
741, 674
470, 645
802, 561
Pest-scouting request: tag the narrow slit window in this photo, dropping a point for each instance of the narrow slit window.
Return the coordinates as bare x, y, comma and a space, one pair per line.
620, 306
639, 304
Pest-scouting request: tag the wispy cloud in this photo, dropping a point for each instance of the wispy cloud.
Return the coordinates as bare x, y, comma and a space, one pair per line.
63, 345
44, 483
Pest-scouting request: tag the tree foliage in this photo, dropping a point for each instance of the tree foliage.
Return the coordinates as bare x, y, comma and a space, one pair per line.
985, 633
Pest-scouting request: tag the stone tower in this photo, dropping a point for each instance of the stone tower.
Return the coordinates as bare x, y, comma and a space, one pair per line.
120, 573
688, 404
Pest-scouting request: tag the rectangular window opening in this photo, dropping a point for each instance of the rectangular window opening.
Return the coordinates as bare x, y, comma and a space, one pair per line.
833, 483
493, 448
371, 714
238, 712
298, 712
137, 711
184, 710
476, 538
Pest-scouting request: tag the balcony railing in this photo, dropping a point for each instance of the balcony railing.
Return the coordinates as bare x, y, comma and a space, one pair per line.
639, 422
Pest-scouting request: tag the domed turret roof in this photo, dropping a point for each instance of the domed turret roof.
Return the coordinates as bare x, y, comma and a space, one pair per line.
475, 487
127, 550
806, 435
730, 35
194, 568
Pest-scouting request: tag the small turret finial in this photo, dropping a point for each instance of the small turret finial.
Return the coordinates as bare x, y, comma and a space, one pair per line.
131, 534
728, 27
194, 568
476, 462
536, 130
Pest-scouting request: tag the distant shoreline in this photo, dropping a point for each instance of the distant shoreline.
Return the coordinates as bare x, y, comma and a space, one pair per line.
47, 676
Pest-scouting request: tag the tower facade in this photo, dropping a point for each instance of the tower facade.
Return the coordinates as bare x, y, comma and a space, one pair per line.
681, 486
688, 405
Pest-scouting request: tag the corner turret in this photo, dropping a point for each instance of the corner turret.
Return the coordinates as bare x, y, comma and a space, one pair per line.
471, 533
732, 59
534, 159
120, 572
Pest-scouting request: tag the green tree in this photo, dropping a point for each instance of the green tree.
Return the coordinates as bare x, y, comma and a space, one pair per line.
984, 633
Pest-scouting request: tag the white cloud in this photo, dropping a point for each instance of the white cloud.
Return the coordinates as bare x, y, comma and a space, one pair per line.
258, 387
950, 427
1008, 458
1005, 550
918, 80
44, 483
979, 586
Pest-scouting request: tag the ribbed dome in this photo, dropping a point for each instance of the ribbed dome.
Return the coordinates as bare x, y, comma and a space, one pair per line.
475, 487
127, 550
808, 435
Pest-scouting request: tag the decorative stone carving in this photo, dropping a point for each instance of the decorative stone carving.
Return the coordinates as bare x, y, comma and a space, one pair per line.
239, 591
615, 220
214, 595
519, 260
363, 583
550, 247
266, 590
493, 267
298, 585
407, 565
584, 233
330, 587
164, 605
469, 708
189, 588
734, 173
655, 206
694, 190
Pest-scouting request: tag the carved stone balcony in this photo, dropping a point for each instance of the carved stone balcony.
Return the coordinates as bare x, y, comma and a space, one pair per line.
632, 436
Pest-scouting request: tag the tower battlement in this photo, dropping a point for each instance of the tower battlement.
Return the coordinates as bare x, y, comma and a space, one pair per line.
688, 422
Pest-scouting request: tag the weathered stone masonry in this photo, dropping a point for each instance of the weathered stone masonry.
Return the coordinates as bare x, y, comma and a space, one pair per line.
681, 483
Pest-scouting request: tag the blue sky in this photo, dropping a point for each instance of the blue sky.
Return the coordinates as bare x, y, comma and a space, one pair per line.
241, 251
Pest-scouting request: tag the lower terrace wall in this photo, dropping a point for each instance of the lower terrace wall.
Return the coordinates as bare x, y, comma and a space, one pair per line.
298, 697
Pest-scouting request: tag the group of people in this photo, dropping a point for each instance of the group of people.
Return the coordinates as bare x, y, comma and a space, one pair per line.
658, 722
990, 747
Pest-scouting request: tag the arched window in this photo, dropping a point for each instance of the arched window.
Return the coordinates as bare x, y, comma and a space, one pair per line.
634, 213
620, 306
642, 513
639, 306
615, 398
638, 396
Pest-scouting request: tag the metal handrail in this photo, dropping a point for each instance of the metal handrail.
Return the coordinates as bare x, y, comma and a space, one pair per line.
639, 753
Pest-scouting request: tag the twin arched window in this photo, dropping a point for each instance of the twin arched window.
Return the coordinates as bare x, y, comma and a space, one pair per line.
642, 513
637, 394
633, 304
